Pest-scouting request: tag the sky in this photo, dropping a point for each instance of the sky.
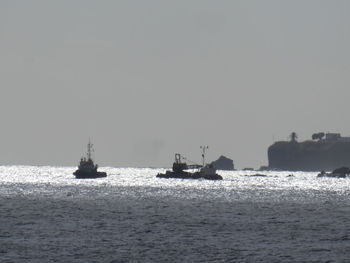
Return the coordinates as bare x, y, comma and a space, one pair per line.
147, 79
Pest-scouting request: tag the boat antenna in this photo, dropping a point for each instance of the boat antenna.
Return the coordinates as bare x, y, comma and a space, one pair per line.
89, 150
204, 147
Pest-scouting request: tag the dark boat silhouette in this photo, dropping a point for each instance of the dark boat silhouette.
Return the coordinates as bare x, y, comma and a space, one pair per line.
87, 169
179, 170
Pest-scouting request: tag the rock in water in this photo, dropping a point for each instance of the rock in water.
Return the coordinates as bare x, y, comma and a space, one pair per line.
223, 163
342, 170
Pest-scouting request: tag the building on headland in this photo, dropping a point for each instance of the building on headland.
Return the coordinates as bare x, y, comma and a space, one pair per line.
332, 136
336, 137
344, 139
325, 152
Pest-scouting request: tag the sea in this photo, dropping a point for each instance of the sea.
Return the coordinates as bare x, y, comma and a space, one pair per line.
46, 215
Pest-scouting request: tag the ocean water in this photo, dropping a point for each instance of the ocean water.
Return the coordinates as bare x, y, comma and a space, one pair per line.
46, 215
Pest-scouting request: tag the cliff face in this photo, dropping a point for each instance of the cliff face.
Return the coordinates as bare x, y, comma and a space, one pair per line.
309, 155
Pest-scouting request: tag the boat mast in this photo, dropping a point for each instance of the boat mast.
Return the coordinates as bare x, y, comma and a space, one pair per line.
89, 150
204, 147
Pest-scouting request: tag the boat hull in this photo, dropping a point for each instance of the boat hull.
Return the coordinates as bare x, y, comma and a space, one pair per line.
187, 175
89, 175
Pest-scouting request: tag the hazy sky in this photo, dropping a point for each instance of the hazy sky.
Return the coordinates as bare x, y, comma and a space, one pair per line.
146, 79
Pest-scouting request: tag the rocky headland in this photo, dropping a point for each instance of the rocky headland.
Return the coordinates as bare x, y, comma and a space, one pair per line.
320, 154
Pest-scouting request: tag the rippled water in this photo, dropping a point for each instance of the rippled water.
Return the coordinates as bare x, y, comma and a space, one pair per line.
131, 216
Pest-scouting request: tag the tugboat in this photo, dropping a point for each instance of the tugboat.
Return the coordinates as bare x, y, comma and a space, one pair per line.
206, 171
87, 169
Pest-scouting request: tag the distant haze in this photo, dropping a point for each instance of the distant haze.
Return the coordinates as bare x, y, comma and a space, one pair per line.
146, 79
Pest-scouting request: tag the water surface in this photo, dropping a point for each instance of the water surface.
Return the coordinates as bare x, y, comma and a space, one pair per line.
131, 216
